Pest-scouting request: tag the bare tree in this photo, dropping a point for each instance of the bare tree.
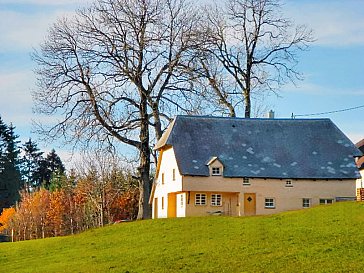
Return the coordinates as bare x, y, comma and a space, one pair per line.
114, 71
249, 48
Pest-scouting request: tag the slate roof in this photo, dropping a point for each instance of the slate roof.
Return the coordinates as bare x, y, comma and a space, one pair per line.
265, 148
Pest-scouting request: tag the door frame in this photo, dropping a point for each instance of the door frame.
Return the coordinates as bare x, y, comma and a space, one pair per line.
252, 204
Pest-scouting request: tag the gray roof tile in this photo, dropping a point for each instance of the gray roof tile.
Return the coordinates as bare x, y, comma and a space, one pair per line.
272, 148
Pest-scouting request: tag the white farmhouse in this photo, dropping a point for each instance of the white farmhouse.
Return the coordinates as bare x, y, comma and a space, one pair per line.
237, 166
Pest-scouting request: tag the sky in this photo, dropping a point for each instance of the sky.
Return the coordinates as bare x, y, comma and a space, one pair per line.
333, 68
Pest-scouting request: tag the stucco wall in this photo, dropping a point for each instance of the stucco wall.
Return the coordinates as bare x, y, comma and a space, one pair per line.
229, 204
286, 198
167, 164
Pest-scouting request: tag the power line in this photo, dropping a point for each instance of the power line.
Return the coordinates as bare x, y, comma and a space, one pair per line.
330, 112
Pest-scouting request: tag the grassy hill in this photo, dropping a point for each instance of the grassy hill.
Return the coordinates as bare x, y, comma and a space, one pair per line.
321, 239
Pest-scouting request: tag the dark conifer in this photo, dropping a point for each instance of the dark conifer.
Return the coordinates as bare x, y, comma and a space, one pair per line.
10, 177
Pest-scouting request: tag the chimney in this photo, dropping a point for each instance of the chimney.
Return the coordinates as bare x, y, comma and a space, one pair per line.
270, 114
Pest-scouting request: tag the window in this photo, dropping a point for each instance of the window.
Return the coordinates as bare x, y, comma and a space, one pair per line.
326, 201
306, 202
174, 174
181, 200
289, 183
246, 181
162, 202
200, 199
216, 199
216, 171
269, 203
162, 178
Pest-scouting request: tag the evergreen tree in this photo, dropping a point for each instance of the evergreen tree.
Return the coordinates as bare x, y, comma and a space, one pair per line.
52, 167
31, 165
3, 129
10, 176
3, 186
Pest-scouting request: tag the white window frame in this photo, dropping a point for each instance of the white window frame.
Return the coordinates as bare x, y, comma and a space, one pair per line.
181, 201
306, 202
173, 174
289, 183
216, 171
216, 199
326, 201
246, 181
269, 203
162, 201
200, 199
162, 178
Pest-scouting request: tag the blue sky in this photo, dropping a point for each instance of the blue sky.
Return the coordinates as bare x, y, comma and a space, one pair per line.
333, 68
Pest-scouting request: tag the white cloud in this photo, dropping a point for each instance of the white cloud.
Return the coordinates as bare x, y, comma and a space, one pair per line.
335, 23
15, 99
21, 31
15, 90
43, 2
310, 88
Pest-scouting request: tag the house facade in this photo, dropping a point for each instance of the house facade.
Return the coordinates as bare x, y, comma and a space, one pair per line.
241, 167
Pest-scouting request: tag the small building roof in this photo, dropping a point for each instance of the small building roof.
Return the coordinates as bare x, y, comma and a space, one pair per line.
265, 148
360, 145
360, 162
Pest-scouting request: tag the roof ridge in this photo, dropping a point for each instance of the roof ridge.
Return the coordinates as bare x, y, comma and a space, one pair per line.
243, 118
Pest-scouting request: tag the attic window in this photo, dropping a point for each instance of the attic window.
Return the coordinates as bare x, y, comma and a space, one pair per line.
246, 181
289, 183
216, 171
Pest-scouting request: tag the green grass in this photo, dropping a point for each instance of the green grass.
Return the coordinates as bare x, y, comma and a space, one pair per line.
321, 239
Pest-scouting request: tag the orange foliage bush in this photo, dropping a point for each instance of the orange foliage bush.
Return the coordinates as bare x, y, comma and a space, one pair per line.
89, 203
5, 217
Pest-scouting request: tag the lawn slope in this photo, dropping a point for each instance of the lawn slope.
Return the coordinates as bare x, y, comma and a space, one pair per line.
321, 239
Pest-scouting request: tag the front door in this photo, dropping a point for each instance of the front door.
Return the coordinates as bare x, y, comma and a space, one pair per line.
171, 212
249, 204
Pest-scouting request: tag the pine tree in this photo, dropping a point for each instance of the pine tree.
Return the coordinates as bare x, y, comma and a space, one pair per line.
10, 176
3, 186
31, 165
54, 168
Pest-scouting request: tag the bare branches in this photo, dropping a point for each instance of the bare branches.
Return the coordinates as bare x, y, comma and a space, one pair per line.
115, 71
255, 46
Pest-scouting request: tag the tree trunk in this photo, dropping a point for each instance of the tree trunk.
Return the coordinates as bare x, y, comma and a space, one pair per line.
247, 106
157, 121
145, 210
247, 90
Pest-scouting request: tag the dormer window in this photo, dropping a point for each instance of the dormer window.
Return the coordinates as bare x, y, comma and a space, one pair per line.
216, 168
216, 171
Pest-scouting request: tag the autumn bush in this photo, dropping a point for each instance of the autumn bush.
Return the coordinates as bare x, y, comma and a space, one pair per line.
5, 217
74, 205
